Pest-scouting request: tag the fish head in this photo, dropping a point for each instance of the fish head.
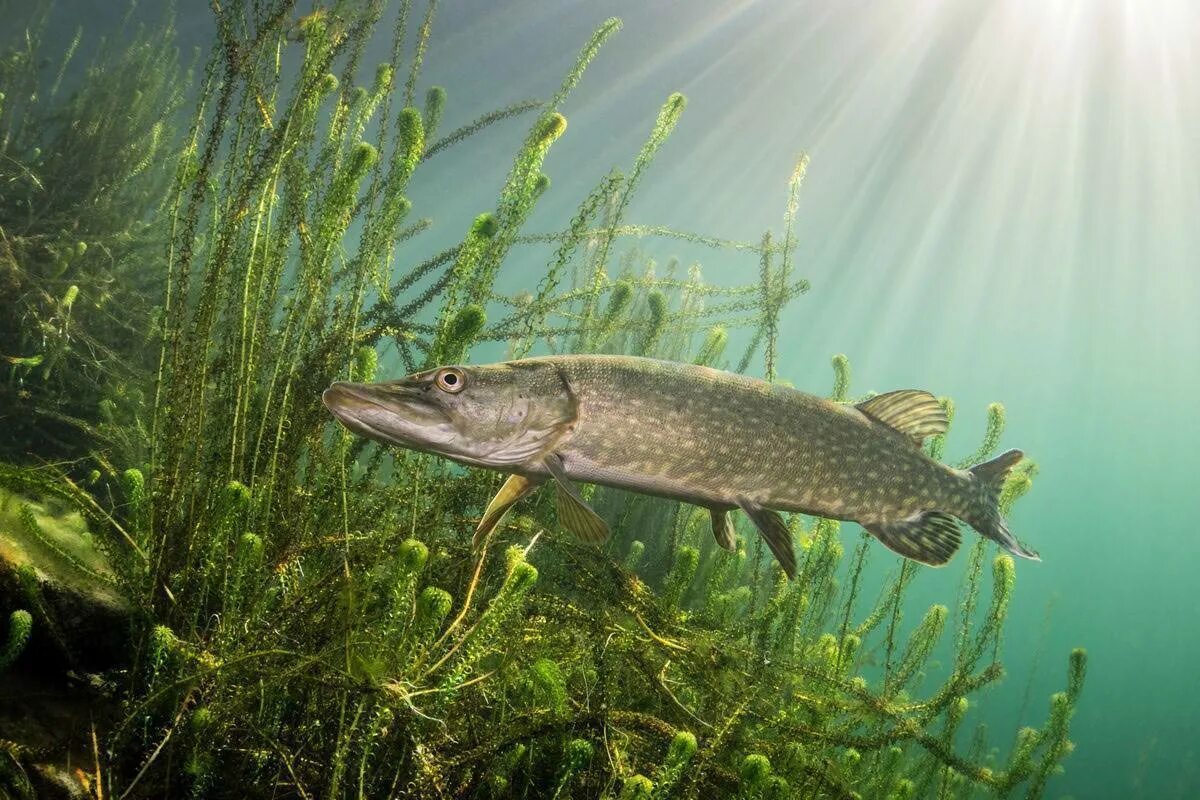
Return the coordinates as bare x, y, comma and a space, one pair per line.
502, 416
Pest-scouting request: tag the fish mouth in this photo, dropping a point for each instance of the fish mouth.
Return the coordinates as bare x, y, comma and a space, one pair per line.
390, 413
342, 396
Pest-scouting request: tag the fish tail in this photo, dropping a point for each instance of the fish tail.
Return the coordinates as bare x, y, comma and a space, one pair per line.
984, 514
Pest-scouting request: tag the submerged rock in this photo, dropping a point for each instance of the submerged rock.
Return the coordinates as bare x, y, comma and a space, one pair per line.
54, 782
50, 567
61, 615
46, 724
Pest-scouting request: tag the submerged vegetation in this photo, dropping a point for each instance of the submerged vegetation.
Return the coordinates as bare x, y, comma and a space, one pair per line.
84, 163
308, 616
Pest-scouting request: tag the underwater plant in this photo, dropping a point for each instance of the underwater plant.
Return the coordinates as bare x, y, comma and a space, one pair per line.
20, 625
310, 618
83, 169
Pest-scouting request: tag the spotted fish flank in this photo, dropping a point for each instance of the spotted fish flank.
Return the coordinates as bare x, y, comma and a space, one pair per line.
695, 434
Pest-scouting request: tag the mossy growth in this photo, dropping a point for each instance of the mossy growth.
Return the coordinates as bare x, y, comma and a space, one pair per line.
312, 619
57, 546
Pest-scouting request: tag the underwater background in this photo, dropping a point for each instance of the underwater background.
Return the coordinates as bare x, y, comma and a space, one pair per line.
999, 204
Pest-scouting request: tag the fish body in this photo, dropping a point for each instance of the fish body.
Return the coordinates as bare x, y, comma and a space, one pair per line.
695, 434
709, 437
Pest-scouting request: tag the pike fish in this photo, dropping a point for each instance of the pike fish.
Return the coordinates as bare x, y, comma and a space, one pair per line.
691, 433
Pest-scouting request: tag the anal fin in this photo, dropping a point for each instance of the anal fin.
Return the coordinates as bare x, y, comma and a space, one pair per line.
573, 511
930, 537
775, 532
516, 487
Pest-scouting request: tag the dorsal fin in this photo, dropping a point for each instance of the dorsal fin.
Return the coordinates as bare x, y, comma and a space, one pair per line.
914, 413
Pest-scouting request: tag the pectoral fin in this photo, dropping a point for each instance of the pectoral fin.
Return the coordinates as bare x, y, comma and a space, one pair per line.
573, 511
722, 527
930, 537
775, 531
516, 487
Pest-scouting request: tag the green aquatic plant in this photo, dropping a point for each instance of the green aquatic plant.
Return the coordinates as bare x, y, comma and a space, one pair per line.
20, 626
679, 754
84, 149
755, 776
311, 617
637, 787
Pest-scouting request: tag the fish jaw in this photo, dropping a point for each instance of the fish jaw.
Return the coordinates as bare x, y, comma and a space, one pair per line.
393, 413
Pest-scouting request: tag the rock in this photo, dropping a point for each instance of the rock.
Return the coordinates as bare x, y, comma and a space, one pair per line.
50, 567
49, 707
46, 726
53, 782
14, 782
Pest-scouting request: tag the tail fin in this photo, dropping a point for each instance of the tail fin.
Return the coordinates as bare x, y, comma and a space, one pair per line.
985, 515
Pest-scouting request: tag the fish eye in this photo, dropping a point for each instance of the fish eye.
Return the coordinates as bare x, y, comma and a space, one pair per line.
450, 379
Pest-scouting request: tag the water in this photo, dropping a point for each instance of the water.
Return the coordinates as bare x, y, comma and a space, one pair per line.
998, 207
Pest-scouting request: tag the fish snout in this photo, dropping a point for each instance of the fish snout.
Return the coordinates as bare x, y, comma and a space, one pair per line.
396, 412
349, 405
393, 396
359, 402
360, 408
339, 395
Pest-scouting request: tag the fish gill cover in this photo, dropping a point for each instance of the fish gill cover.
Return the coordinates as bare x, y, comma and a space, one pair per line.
302, 612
